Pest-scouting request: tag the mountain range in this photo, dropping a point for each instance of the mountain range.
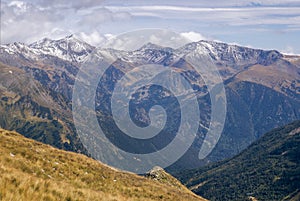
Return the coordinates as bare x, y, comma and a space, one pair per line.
36, 81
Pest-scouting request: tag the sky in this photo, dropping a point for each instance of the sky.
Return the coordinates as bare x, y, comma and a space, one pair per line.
266, 24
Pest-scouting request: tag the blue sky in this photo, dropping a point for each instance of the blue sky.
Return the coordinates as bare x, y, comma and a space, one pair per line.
267, 24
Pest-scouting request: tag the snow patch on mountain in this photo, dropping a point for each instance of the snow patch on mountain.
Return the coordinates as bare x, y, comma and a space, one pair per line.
69, 48
73, 49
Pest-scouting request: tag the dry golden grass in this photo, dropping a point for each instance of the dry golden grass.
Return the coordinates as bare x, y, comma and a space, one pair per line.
274, 76
30, 170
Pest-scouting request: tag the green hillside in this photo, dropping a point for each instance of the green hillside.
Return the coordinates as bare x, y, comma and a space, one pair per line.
35, 110
267, 170
30, 170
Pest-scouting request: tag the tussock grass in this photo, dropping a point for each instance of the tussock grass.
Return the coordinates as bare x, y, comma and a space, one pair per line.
30, 170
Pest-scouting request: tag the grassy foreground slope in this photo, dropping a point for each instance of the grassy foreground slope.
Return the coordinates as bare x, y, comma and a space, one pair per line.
269, 169
30, 170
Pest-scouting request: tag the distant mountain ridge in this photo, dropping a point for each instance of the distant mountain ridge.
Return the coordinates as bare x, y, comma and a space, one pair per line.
73, 49
69, 48
262, 89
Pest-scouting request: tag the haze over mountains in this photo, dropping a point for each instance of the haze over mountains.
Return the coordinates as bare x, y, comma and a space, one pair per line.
262, 91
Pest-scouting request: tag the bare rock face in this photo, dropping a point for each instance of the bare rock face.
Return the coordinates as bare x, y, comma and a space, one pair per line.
159, 174
156, 173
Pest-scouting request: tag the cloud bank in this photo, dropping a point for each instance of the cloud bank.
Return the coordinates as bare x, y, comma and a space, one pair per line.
271, 24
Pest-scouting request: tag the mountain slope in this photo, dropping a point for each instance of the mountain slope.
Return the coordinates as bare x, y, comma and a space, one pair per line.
35, 110
33, 171
268, 170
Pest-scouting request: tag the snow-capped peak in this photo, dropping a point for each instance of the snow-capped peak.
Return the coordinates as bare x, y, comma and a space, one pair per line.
69, 48
73, 49
226, 53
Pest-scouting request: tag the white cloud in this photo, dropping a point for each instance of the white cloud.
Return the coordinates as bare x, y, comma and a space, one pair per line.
135, 39
101, 15
94, 38
208, 4
193, 36
288, 50
24, 21
19, 6
236, 16
73, 4
247, 20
